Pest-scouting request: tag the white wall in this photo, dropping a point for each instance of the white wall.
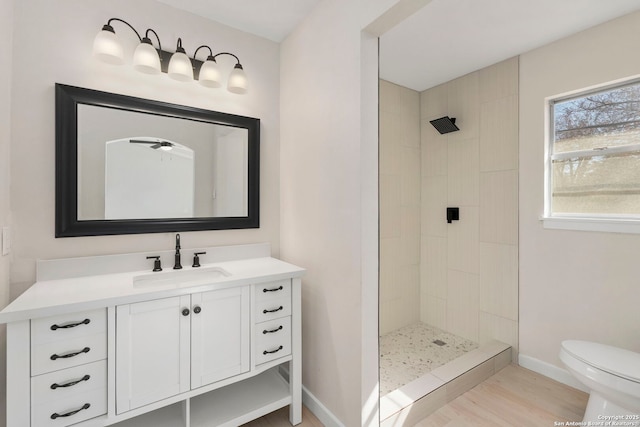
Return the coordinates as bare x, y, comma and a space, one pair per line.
573, 284
320, 197
329, 202
6, 34
53, 40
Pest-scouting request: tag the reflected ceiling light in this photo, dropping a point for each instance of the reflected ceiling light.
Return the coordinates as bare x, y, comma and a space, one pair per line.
179, 66
163, 145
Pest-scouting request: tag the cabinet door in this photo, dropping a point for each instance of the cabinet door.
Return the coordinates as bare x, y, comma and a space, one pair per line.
220, 335
152, 351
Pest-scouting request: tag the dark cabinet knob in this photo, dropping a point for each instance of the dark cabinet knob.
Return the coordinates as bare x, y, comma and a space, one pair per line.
185, 311
197, 309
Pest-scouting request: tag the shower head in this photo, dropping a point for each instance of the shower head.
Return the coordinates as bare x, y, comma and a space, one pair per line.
445, 124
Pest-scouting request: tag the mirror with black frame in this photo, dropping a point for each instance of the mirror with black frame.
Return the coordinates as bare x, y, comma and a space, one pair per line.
128, 165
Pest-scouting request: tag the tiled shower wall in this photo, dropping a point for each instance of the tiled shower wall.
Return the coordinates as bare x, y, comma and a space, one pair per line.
399, 207
469, 269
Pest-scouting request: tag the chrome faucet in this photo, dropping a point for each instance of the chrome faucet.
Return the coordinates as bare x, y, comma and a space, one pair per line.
177, 265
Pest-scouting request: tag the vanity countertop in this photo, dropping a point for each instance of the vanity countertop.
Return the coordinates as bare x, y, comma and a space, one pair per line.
53, 297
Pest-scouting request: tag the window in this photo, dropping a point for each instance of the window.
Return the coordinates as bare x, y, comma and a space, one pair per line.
594, 155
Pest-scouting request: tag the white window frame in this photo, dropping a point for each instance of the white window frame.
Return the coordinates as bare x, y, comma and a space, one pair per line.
584, 222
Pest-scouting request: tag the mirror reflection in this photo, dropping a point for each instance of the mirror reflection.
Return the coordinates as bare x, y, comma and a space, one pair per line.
134, 165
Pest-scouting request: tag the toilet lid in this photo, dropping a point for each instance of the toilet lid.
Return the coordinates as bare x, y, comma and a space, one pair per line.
617, 361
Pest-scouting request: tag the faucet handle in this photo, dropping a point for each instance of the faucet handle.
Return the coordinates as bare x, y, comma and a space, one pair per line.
156, 263
196, 258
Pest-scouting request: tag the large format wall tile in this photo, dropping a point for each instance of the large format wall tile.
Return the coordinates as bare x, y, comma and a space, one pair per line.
390, 148
463, 169
433, 267
462, 304
400, 211
389, 96
434, 149
434, 205
499, 80
390, 209
433, 311
462, 242
494, 327
499, 134
410, 162
464, 106
499, 279
434, 102
499, 207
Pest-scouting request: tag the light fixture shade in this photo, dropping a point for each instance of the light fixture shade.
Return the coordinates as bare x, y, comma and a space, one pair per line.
210, 75
237, 80
146, 59
107, 47
180, 67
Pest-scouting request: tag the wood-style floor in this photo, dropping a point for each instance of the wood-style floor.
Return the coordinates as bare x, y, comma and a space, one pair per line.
514, 397
280, 418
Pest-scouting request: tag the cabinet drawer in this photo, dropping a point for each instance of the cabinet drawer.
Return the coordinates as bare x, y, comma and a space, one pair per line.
66, 383
273, 290
64, 354
68, 326
70, 410
272, 339
272, 309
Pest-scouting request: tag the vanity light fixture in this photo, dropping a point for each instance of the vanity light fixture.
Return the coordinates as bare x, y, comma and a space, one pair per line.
179, 66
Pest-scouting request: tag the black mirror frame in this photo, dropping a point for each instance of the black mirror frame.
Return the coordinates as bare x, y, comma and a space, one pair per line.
67, 223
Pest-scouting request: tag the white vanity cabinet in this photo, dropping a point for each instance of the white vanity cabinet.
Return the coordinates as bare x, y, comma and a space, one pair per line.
218, 353
169, 346
68, 368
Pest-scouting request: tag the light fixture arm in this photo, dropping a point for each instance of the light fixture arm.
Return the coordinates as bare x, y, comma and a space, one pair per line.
226, 53
124, 22
179, 47
146, 36
210, 57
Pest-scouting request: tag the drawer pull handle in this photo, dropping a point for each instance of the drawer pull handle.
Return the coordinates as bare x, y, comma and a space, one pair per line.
70, 383
70, 325
272, 331
279, 288
273, 351
272, 311
66, 356
55, 415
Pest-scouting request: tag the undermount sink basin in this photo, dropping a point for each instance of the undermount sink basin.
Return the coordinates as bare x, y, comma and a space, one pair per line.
187, 277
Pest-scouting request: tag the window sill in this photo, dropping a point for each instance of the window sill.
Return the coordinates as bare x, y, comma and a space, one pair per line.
629, 226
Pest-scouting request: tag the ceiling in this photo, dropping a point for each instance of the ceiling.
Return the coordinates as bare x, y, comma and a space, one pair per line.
450, 38
444, 40
271, 19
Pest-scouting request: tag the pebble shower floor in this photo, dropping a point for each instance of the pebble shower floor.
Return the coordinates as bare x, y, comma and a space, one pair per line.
410, 352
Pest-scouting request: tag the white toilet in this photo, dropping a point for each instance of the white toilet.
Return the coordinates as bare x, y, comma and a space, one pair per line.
612, 376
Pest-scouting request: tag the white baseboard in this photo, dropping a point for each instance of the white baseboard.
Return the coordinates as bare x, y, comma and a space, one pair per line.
321, 412
551, 371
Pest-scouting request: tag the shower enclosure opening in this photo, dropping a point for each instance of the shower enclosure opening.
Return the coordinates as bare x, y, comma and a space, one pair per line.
448, 279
